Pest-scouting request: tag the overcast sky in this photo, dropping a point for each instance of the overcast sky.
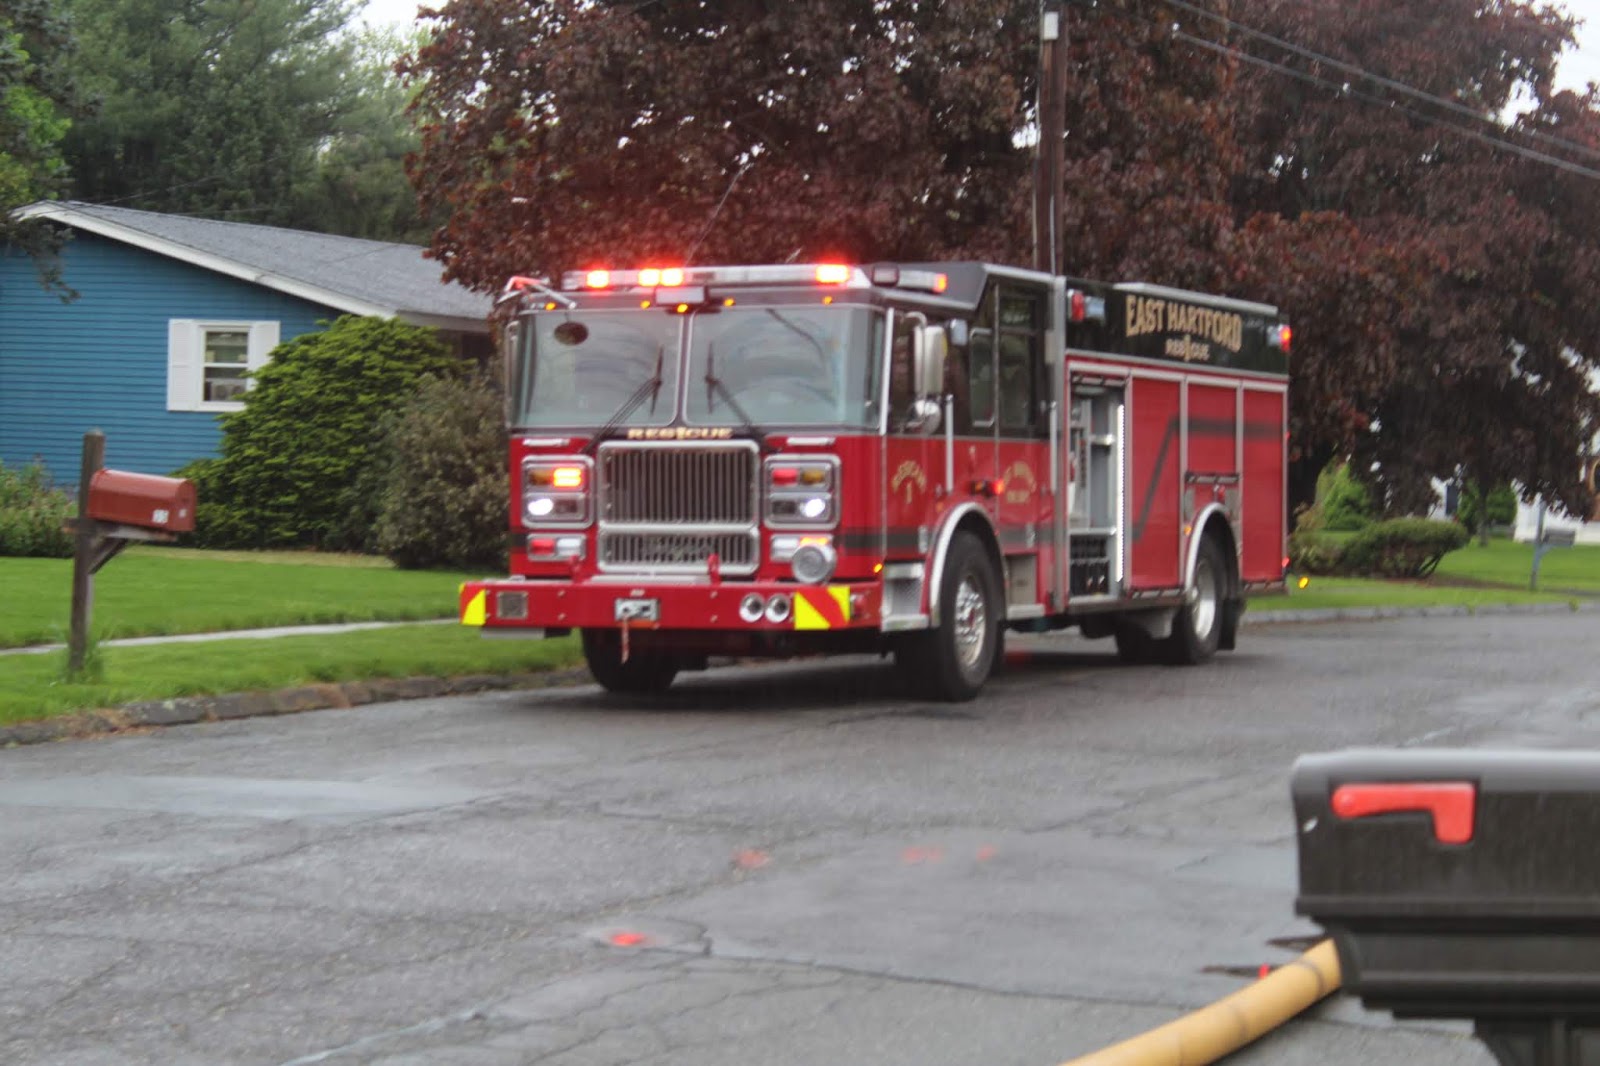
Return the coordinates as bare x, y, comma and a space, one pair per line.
1577, 68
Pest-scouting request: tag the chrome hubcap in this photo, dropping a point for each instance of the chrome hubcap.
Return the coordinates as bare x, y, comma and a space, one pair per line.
972, 622
1203, 605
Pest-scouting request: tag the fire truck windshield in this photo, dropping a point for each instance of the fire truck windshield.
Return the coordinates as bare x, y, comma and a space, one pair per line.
805, 366
579, 368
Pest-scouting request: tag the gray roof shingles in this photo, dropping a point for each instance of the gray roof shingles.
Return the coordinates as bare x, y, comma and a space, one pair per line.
391, 276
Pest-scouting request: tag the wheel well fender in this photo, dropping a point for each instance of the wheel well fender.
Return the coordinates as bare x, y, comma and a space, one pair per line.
1213, 522
972, 518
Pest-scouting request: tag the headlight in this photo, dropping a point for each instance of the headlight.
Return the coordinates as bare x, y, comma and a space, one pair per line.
802, 491
556, 491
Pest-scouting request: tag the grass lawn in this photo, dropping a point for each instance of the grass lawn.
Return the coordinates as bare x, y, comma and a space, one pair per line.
31, 685
1505, 562
150, 591
1330, 592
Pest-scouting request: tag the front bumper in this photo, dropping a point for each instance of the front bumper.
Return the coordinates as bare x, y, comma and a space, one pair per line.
512, 605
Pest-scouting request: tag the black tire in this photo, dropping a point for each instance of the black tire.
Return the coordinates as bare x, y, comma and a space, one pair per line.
952, 661
1197, 629
645, 671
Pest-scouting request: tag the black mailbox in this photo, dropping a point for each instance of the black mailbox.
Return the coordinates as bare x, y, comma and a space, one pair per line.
1462, 884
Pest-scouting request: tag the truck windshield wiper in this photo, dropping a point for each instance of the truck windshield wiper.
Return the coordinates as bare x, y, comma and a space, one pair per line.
715, 387
651, 387
822, 356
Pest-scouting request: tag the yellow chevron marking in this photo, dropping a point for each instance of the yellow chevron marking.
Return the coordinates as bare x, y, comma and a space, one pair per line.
476, 612
807, 616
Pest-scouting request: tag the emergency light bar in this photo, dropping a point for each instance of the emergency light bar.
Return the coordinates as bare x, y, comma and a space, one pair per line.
832, 274
674, 277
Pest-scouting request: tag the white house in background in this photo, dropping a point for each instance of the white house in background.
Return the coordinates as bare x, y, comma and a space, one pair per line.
1587, 532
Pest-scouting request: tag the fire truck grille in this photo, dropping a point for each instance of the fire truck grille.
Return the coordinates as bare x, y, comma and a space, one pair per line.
688, 485
736, 552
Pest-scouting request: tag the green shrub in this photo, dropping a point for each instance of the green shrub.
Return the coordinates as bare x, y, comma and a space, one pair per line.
1401, 547
443, 491
1313, 553
32, 511
1344, 501
1499, 508
292, 462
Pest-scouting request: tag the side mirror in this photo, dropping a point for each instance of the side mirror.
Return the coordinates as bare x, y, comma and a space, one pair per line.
510, 345
930, 349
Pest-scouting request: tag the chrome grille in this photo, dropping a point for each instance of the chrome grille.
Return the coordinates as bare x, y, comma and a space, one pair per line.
736, 552
691, 484
670, 507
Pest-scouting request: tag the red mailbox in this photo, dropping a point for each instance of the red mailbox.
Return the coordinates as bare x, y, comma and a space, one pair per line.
145, 500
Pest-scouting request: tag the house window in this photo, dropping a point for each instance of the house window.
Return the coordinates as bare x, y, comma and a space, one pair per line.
227, 360
209, 362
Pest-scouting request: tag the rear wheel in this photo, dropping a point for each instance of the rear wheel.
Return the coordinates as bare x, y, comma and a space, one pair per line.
953, 660
645, 670
1198, 627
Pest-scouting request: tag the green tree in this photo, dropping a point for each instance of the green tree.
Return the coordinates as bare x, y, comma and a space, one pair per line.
215, 108
442, 468
358, 185
37, 102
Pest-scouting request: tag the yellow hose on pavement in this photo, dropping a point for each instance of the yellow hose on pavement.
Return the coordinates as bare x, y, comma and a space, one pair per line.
1229, 1024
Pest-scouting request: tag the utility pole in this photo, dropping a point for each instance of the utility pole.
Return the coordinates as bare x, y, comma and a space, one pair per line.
1051, 162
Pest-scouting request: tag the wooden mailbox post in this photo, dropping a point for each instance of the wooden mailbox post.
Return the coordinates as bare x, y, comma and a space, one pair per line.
116, 508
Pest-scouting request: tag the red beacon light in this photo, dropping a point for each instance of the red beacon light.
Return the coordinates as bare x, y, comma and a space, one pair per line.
832, 273
598, 279
1081, 307
1280, 338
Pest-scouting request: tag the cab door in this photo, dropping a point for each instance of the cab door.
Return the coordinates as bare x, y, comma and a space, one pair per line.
1010, 408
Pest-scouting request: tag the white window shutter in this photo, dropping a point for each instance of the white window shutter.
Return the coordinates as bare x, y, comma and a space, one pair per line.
263, 338
183, 365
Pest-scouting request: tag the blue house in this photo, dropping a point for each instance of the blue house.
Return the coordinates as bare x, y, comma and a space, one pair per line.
172, 313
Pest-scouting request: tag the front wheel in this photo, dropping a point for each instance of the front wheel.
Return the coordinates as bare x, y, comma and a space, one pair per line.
645, 671
953, 660
1197, 629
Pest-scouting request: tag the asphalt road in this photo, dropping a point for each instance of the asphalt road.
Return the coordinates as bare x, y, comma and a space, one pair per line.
788, 864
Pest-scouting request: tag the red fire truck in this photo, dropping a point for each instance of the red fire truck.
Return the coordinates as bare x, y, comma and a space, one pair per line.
905, 458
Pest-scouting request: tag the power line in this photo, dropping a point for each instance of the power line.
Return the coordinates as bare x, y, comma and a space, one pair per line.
1345, 90
1379, 79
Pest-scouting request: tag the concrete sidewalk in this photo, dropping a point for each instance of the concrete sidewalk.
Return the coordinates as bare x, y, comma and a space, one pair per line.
235, 634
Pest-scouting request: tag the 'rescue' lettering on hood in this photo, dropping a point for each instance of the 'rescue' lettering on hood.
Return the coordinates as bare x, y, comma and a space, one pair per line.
681, 433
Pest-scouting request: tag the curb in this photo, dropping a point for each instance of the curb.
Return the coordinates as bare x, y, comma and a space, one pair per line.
188, 710
1369, 614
